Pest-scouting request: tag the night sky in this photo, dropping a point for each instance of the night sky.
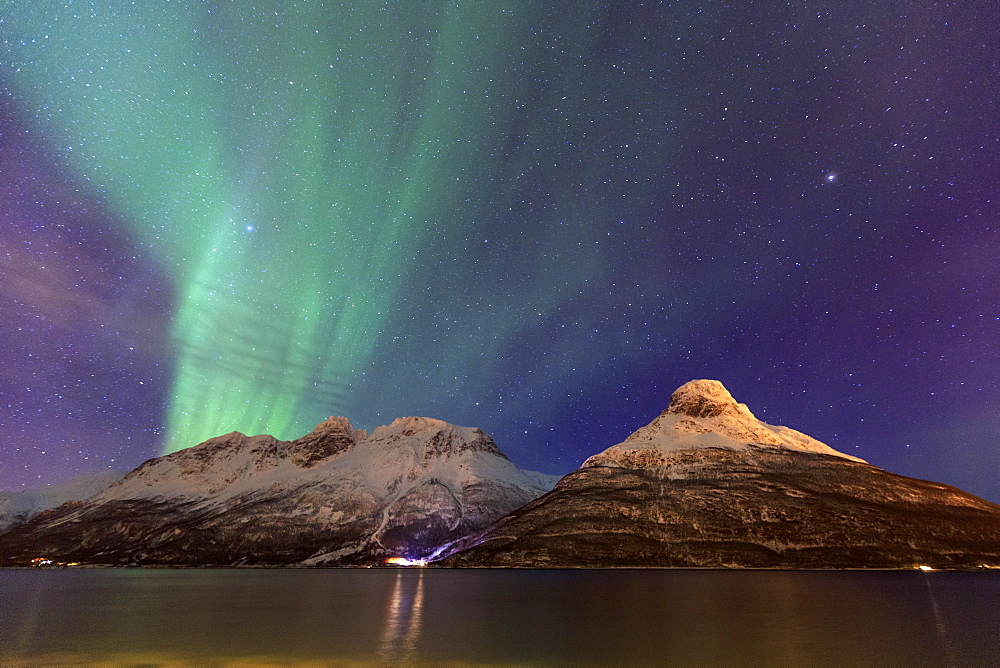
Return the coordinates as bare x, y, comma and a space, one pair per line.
535, 218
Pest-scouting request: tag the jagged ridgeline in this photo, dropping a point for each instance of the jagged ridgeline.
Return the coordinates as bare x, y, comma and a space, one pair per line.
337, 496
706, 484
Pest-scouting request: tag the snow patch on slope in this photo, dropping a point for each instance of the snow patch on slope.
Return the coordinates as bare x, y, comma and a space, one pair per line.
19, 507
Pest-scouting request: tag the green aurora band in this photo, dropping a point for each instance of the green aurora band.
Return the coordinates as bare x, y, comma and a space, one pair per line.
537, 218
288, 167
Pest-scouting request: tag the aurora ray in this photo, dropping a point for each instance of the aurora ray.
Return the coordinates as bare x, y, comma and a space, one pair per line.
288, 166
532, 217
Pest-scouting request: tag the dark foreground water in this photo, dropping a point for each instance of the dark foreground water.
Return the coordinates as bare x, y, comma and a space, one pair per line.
381, 616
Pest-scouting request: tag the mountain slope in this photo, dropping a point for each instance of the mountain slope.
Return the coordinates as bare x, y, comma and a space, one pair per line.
335, 496
19, 507
706, 484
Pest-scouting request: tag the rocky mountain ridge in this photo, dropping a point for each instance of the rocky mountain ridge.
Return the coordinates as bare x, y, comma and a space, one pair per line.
335, 496
706, 484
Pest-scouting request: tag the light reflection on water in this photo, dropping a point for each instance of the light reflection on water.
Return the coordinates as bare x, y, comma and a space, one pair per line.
430, 616
402, 618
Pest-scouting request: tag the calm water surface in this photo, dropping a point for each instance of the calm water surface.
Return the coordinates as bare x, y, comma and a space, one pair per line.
426, 616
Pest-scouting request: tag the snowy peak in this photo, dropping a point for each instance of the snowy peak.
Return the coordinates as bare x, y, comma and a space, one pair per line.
414, 425
705, 398
338, 425
235, 465
330, 437
703, 414
435, 438
334, 496
214, 466
207, 468
234, 444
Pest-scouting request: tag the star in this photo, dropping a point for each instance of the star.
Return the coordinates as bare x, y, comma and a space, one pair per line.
399, 232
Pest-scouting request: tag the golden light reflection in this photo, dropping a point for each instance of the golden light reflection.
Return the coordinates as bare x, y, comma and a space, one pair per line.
942, 631
403, 619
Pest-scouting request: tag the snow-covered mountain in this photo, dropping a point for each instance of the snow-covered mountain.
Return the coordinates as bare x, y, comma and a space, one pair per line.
708, 484
19, 507
703, 414
335, 496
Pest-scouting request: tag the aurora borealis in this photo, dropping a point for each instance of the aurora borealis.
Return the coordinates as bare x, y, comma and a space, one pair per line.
534, 218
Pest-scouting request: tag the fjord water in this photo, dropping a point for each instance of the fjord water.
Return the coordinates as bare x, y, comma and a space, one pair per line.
390, 616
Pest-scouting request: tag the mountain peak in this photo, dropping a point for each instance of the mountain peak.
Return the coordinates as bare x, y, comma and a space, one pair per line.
704, 399
330, 437
413, 425
435, 437
334, 423
702, 414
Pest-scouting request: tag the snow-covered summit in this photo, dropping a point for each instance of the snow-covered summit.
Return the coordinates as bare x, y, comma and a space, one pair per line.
705, 398
407, 451
703, 414
335, 424
337, 495
437, 437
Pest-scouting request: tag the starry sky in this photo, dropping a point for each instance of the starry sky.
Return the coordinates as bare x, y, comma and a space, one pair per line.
532, 217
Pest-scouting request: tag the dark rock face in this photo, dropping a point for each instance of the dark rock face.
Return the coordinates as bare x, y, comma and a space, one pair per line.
147, 532
330, 437
336, 496
704, 399
758, 508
